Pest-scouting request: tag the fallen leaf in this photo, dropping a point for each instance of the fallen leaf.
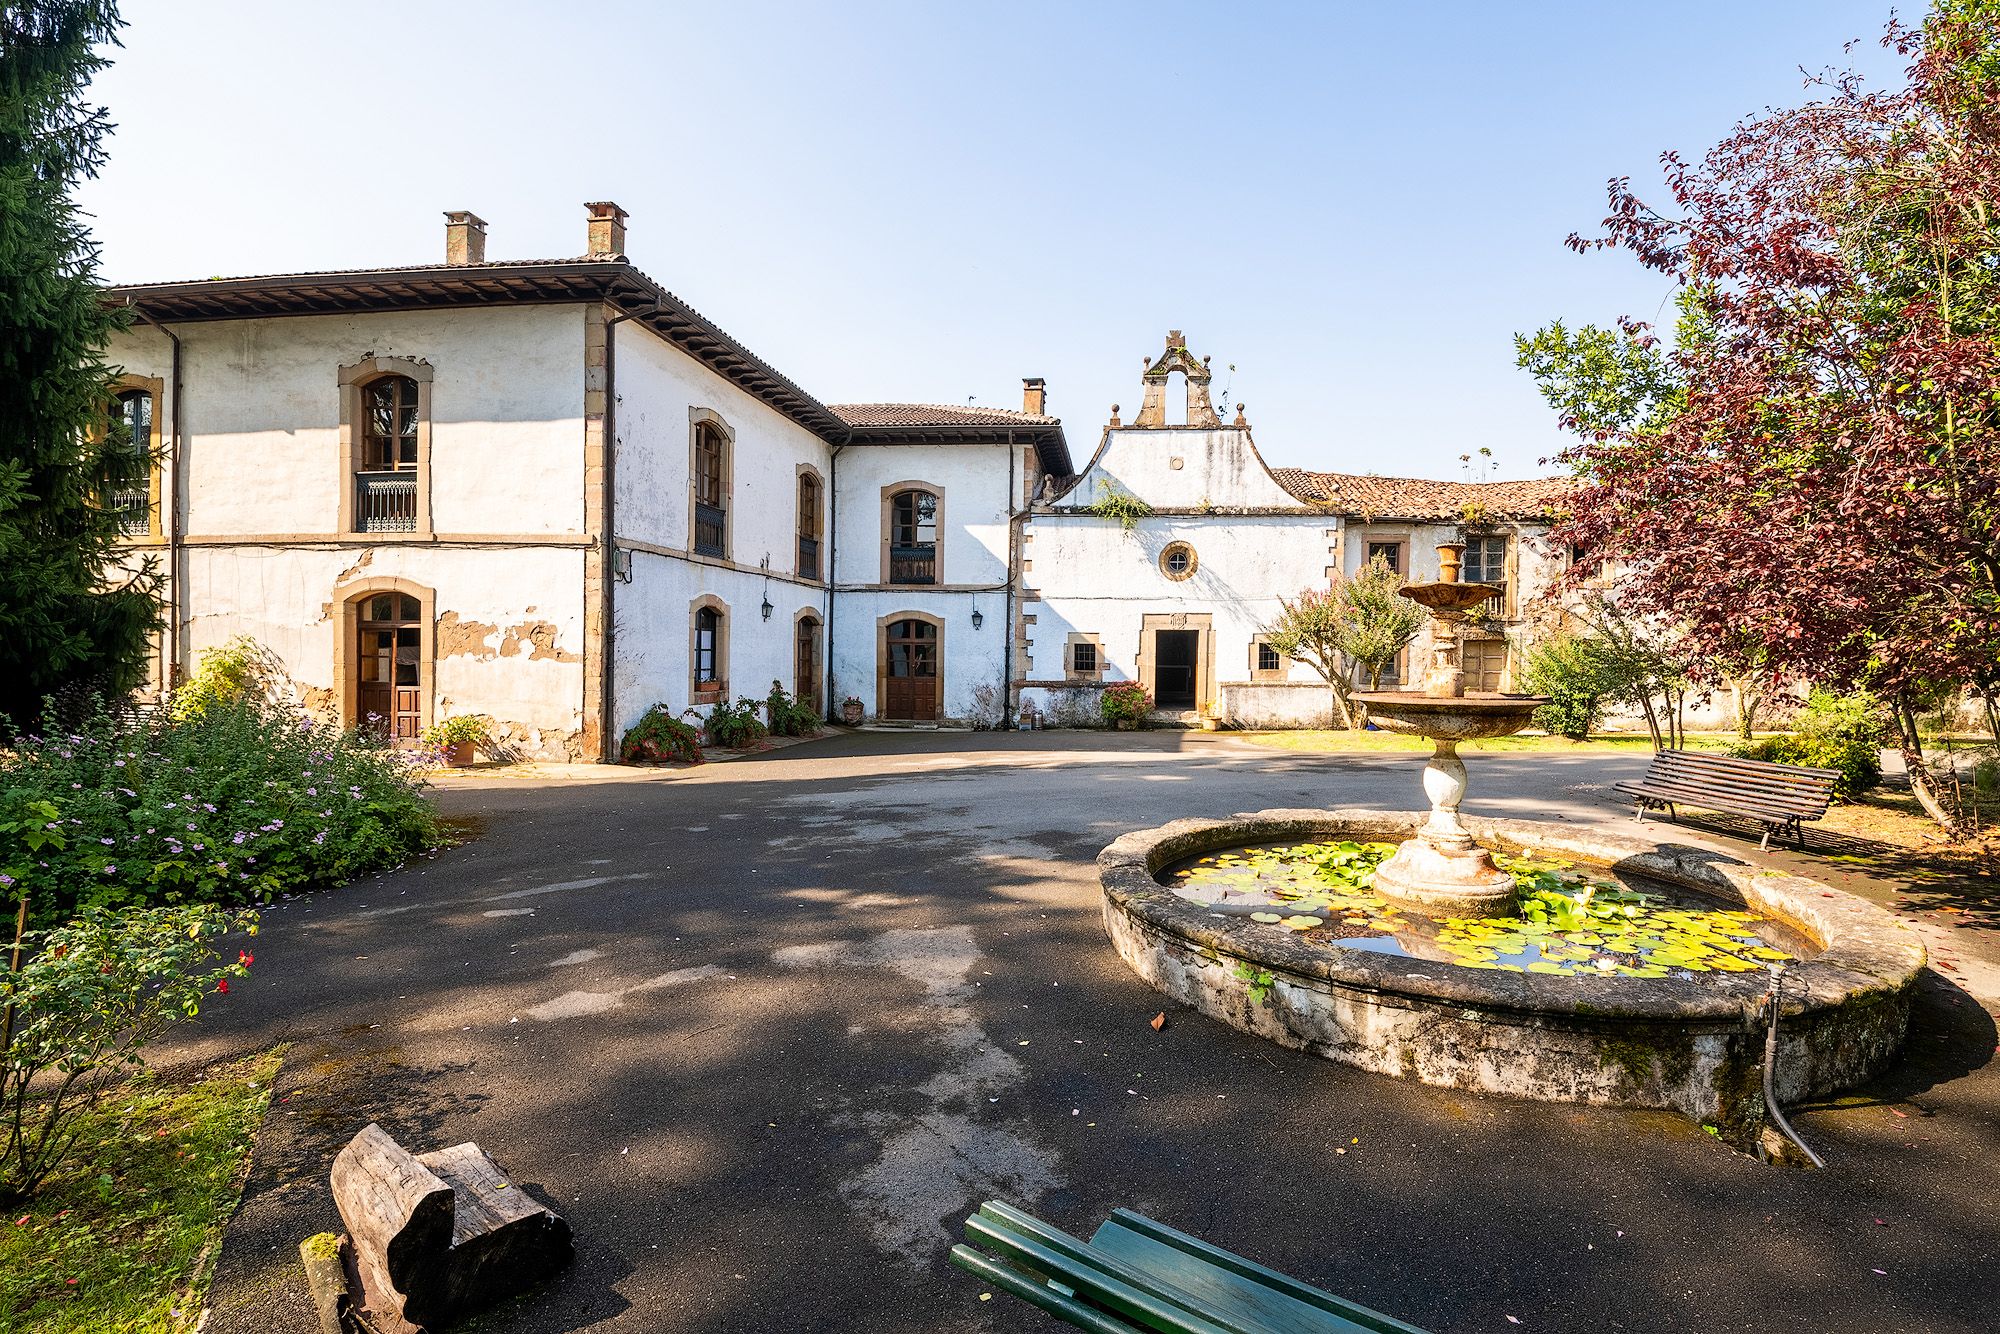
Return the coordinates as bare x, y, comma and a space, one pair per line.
1159, 1021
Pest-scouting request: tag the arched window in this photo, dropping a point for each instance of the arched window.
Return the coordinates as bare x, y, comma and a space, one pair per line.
707, 650
805, 661
808, 566
390, 657
133, 409
711, 494
913, 525
389, 424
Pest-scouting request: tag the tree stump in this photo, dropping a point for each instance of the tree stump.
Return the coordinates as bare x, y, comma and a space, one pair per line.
439, 1235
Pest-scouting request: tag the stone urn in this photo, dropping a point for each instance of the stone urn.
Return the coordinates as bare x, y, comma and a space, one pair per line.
850, 712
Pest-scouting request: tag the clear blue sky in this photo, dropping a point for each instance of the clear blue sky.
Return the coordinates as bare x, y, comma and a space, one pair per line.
1356, 205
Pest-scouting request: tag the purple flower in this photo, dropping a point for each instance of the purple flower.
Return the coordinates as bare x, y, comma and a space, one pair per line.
110, 870
105, 841
238, 840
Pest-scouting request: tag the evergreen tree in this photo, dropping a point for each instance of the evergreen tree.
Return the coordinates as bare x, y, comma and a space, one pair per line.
71, 617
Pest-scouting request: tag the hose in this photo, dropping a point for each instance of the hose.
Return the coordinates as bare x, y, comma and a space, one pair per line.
1770, 1064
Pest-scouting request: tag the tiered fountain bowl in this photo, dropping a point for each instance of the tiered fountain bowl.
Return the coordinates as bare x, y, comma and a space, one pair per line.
1532, 958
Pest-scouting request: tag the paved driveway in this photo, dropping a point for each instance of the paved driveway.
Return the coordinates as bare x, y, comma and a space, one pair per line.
765, 1030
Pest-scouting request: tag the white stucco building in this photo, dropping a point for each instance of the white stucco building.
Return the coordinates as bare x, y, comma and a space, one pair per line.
552, 493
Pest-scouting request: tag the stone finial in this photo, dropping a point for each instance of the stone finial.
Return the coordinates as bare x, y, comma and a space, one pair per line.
607, 228
1241, 423
464, 237
1175, 339
1114, 416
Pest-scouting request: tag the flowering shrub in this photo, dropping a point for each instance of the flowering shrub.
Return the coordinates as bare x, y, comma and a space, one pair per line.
1124, 701
660, 736
89, 997
735, 725
234, 804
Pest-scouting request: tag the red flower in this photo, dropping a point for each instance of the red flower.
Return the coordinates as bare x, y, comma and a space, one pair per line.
222, 986
245, 957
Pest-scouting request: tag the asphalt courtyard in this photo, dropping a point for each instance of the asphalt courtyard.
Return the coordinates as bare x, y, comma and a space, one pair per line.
766, 1031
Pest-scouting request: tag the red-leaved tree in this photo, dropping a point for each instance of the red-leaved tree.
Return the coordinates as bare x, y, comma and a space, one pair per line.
1808, 482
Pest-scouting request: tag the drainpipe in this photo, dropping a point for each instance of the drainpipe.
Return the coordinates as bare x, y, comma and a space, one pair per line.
608, 684
171, 668
832, 556
1013, 583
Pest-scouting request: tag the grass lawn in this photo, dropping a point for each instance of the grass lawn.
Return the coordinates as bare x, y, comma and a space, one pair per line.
1345, 742
122, 1238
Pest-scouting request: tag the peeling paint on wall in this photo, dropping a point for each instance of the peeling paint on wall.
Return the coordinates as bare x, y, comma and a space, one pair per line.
463, 639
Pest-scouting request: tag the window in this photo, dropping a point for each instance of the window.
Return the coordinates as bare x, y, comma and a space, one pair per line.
134, 410
808, 566
1483, 661
385, 442
913, 525
711, 506
1268, 659
1178, 561
1083, 658
1485, 560
1266, 663
1390, 554
707, 650
805, 661
390, 656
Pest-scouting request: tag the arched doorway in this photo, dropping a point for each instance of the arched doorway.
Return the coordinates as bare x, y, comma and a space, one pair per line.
805, 660
910, 675
389, 655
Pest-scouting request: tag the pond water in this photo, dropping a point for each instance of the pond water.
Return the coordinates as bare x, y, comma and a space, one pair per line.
1571, 921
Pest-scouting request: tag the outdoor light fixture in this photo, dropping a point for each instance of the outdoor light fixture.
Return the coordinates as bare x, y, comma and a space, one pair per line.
767, 606
977, 618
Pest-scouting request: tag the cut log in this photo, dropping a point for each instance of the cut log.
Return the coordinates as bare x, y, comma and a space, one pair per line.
439, 1235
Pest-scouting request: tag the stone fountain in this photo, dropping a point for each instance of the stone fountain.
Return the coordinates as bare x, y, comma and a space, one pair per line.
1442, 871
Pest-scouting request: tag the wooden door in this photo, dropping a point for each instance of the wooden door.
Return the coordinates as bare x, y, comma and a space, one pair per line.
1174, 659
1483, 661
390, 656
910, 688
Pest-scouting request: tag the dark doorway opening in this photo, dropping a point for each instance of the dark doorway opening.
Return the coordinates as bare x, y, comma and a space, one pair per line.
1174, 667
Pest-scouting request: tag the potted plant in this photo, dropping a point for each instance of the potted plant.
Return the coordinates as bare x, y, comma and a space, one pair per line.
1123, 704
850, 711
459, 739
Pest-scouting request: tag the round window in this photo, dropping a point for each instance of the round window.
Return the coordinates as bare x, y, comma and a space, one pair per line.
1178, 560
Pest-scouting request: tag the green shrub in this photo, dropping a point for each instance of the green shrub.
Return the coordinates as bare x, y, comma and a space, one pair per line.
1124, 701
735, 725
237, 671
90, 996
786, 716
660, 737
235, 804
1832, 731
1567, 668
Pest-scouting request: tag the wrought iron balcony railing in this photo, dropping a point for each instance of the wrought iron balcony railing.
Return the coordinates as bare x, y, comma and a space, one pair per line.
385, 502
710, 527
135, 512
913, 564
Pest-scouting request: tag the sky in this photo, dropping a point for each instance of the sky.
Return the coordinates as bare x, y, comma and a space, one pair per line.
1351, 208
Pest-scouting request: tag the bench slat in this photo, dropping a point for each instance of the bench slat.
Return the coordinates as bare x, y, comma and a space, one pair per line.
1710, 759
1028, 1289
1240, 1290
1711, 802
1807, 784
1025, 1241
1695, 795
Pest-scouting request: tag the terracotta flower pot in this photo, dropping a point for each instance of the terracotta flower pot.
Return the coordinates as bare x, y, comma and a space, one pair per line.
460, 754
850, 712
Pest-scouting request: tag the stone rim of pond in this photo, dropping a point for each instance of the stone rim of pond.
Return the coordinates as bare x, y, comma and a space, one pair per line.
1862, 949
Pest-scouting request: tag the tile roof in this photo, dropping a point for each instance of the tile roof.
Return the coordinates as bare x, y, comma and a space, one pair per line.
1417, 498
934, 414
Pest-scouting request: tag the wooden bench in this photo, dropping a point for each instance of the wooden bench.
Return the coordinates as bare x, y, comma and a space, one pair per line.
1777, 795
438, 1235
1135, 1275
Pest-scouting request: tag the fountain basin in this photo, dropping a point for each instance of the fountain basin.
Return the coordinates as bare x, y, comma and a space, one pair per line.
1460, 718
1694, 1045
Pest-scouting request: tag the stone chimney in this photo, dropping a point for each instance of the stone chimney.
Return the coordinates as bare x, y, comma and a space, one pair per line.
607, 228
464, 238
1035, 396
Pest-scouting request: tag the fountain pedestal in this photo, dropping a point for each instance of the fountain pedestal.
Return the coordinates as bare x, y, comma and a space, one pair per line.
1442, 871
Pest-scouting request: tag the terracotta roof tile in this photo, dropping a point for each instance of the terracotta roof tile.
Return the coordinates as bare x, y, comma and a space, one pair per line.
1418, 498
934, 414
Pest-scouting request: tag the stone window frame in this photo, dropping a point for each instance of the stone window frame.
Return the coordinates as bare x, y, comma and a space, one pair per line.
347, 682
353, 379
1070, 670
882, 624
696, 695
1282, 672
806, 470
889, 494
1194, 559
697, 418
1400, 542
156, 388
799, 617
